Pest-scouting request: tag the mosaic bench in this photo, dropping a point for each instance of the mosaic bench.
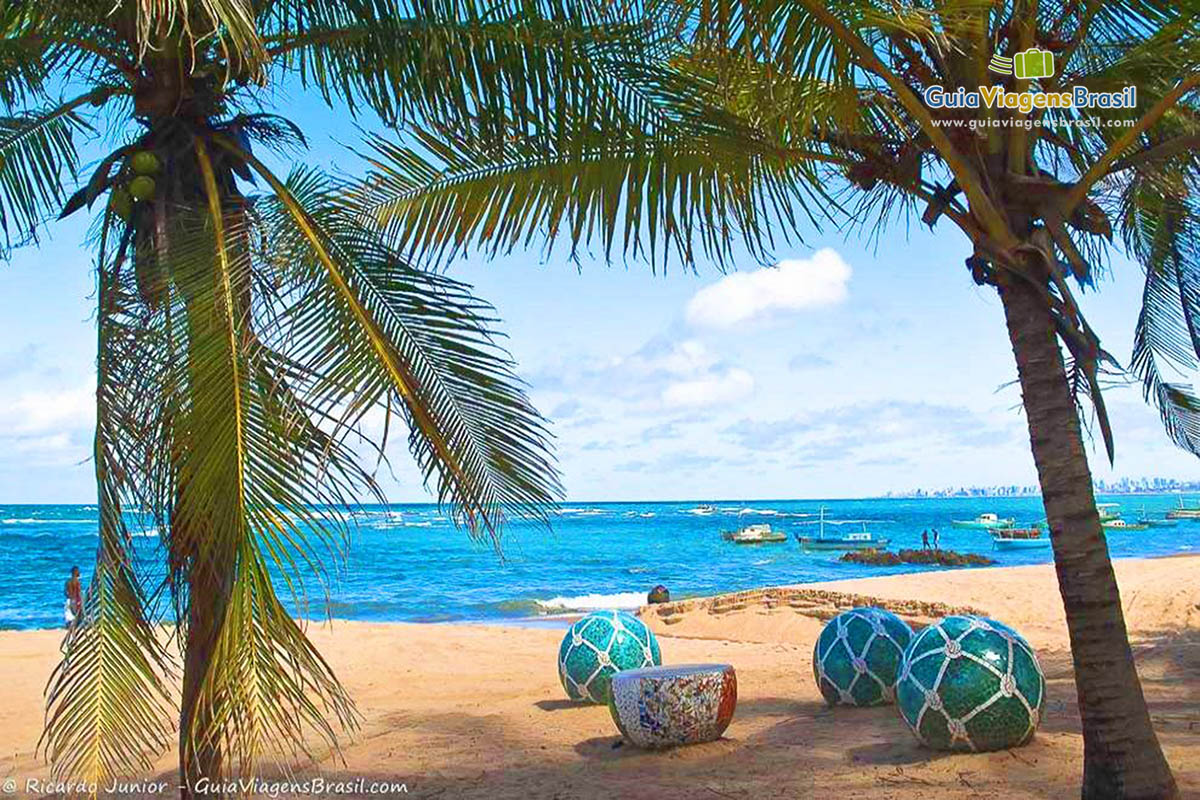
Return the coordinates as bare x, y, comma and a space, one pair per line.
659, 707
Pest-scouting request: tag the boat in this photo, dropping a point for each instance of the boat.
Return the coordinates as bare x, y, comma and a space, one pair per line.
1108, 511
859, 540
985, 521
1121, 525
754, 534
1184, 512
1019, 539
702, 510
1155, 522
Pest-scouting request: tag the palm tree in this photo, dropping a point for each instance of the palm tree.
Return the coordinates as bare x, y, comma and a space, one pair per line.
829, 101
248, 324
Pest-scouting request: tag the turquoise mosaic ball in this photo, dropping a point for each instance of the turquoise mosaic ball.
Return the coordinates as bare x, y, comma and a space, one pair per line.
600, 645
971, 683
857, 657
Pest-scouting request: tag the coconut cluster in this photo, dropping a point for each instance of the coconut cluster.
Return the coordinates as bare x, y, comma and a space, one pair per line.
136, 183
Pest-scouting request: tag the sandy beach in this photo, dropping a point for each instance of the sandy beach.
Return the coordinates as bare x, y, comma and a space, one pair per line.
474, 711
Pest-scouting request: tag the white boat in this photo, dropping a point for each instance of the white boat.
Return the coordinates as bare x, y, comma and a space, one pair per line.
985, 521
702, 510
1108, 511
859, 540
1019, 539
1121, 525
755, 534
1184, 512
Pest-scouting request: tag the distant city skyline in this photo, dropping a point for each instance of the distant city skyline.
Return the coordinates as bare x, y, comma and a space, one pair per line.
1125, 485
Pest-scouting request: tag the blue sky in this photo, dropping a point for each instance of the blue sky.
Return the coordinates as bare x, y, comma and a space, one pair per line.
851, 370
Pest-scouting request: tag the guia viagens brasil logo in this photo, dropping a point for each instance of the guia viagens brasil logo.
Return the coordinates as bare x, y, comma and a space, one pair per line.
1031, 64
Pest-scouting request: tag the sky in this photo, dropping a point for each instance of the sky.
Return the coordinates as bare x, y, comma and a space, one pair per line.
848, 368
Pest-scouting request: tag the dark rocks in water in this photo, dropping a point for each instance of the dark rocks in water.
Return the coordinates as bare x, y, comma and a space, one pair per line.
658, 594
944, 558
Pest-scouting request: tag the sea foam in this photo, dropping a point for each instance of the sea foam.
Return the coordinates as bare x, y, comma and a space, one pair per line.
593, 602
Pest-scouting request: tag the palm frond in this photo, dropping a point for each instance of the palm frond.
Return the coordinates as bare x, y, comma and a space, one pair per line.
37, 159
453, 61
247, 474
107, 702
1161, 224
386, 334
653, 197
230, 25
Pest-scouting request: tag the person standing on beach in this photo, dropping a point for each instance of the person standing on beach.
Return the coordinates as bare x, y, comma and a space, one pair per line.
74, 593
937, 540
925, 539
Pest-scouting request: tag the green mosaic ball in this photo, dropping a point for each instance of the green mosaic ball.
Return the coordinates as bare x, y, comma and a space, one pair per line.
971, 683
600, 645
857, 657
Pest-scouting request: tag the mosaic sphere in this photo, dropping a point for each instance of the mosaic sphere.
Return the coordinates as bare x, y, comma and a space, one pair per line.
857, 657
598, 646
971, 683
659, 707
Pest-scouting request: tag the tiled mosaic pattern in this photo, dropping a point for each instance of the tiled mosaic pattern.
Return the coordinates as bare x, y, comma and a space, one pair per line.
599, 645
668, 706
971, 683
857, 657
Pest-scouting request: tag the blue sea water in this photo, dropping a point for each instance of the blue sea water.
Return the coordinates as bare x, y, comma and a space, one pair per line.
409, 563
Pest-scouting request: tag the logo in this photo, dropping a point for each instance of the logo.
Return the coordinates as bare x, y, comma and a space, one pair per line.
1027, 64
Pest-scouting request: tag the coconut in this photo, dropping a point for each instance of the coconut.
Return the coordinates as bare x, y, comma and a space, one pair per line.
142, 187
145, 163
121, 203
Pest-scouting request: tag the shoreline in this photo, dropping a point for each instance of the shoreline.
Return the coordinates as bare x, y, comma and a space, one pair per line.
560, 620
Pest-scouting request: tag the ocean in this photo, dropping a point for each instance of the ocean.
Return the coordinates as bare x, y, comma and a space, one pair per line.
408, 562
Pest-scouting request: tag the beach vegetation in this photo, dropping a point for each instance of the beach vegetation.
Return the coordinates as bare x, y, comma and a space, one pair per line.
822, 122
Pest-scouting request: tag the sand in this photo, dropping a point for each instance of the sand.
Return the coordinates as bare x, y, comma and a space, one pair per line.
472, 711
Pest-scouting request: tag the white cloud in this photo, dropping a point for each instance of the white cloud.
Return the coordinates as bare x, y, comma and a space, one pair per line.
48, 411
716, 388
681, 374
686, 358
794, 285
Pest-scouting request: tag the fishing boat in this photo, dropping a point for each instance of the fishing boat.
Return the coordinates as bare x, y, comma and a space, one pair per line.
1184, 512
985, 521
1122, 525
1108, 511
1019, 539
754, 534
1155, 522
858, 540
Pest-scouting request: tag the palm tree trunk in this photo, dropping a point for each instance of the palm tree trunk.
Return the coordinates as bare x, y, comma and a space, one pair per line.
1122, 757
199, 757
